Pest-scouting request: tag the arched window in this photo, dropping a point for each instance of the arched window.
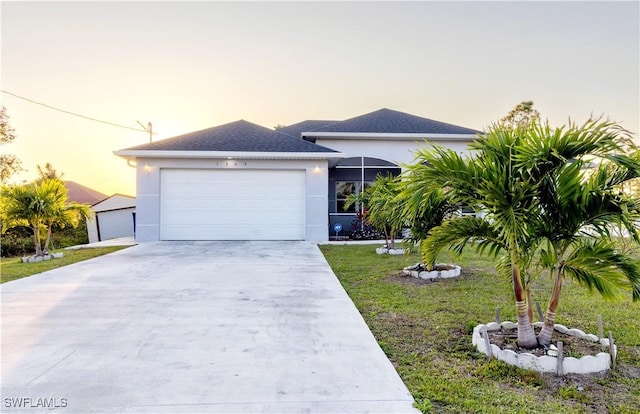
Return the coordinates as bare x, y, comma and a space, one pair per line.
353, 175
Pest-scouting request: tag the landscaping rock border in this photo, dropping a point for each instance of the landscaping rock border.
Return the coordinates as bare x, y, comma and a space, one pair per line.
35, 259
417, 272
386, 250
547, 363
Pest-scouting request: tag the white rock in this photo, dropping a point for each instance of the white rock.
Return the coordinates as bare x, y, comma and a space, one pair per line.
508, 356
587, 364
57, 255
509, 325
576, 332
591, 338
527, 361
493, 326
547, 364
604, 341
560, 328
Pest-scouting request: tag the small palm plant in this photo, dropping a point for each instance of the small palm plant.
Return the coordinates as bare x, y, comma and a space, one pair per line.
382, 206
41, 206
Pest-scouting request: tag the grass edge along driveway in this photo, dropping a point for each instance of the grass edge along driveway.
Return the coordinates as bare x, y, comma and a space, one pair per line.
425, 330
12, 268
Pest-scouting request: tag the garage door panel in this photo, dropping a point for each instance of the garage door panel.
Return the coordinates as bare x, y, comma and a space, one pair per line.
232, 204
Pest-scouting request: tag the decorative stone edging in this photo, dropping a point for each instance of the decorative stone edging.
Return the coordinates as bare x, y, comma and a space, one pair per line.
415, 271
386, 250
546, 363
35, 259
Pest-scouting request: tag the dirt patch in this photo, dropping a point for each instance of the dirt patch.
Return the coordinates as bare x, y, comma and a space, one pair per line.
572, 346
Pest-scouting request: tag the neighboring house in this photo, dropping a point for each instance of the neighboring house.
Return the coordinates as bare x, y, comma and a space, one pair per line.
114, 218
80, 194
242, 181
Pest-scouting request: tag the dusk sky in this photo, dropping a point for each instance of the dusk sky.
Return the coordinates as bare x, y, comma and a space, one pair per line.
190, 66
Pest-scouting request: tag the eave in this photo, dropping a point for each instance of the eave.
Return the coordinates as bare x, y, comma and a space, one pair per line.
377, 136
241, 155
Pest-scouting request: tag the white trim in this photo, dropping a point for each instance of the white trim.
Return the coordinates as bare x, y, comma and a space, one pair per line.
383, 136
246, 155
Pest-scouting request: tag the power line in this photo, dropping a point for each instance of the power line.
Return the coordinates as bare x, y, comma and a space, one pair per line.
73, 113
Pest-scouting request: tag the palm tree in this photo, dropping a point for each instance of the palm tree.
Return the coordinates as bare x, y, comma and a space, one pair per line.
486, 181
579, 205
382, 206
533, 185
40, 206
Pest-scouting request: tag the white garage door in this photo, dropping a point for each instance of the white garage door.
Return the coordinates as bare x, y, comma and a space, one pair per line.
232, 204
115, 223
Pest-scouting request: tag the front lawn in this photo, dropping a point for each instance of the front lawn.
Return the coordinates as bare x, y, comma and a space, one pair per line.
13, 268
425, 330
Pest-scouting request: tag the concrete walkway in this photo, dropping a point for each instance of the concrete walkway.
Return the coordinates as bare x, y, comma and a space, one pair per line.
193, 327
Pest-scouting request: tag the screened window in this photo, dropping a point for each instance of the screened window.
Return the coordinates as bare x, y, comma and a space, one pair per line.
343, 190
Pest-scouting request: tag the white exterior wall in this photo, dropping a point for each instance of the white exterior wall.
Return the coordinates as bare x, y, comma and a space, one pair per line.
397, 151
92, 230
148, 190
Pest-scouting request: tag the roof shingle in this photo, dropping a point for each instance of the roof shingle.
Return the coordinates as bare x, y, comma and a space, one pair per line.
390, 121
238, 136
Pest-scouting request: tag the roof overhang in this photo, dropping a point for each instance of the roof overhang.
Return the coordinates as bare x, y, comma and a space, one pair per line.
242, 155
377, 136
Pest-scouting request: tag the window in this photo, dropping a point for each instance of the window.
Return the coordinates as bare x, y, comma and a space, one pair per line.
343, 190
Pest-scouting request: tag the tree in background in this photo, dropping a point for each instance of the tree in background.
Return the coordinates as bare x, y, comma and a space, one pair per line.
40, 206
9, 163
522, 116
48, 173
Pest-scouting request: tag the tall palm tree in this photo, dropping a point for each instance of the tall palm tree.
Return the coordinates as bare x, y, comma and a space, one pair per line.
531, 183
579, 205
40, 206
487, 181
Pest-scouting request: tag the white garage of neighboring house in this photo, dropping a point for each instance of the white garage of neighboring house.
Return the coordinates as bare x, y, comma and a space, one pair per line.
114, 218
242, 181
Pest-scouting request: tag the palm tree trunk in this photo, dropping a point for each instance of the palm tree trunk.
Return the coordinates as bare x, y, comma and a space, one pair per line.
386, 238
45, 250
529, 301
544, 337
36, 240
526, 335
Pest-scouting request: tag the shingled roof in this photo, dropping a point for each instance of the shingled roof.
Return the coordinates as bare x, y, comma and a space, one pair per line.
238, 136
296, 130
389, 121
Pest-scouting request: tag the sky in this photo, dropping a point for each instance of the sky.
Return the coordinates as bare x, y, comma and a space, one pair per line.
186, 66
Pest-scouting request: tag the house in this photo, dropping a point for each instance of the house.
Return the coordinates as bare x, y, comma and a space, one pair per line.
242, 181
114, 218
80, 194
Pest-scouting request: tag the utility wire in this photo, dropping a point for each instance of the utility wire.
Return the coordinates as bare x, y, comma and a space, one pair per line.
73, 113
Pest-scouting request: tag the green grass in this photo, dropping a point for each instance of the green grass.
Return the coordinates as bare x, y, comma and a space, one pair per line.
13, 268
424, 328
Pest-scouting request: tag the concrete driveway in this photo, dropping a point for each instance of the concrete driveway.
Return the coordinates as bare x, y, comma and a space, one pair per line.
186, 327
